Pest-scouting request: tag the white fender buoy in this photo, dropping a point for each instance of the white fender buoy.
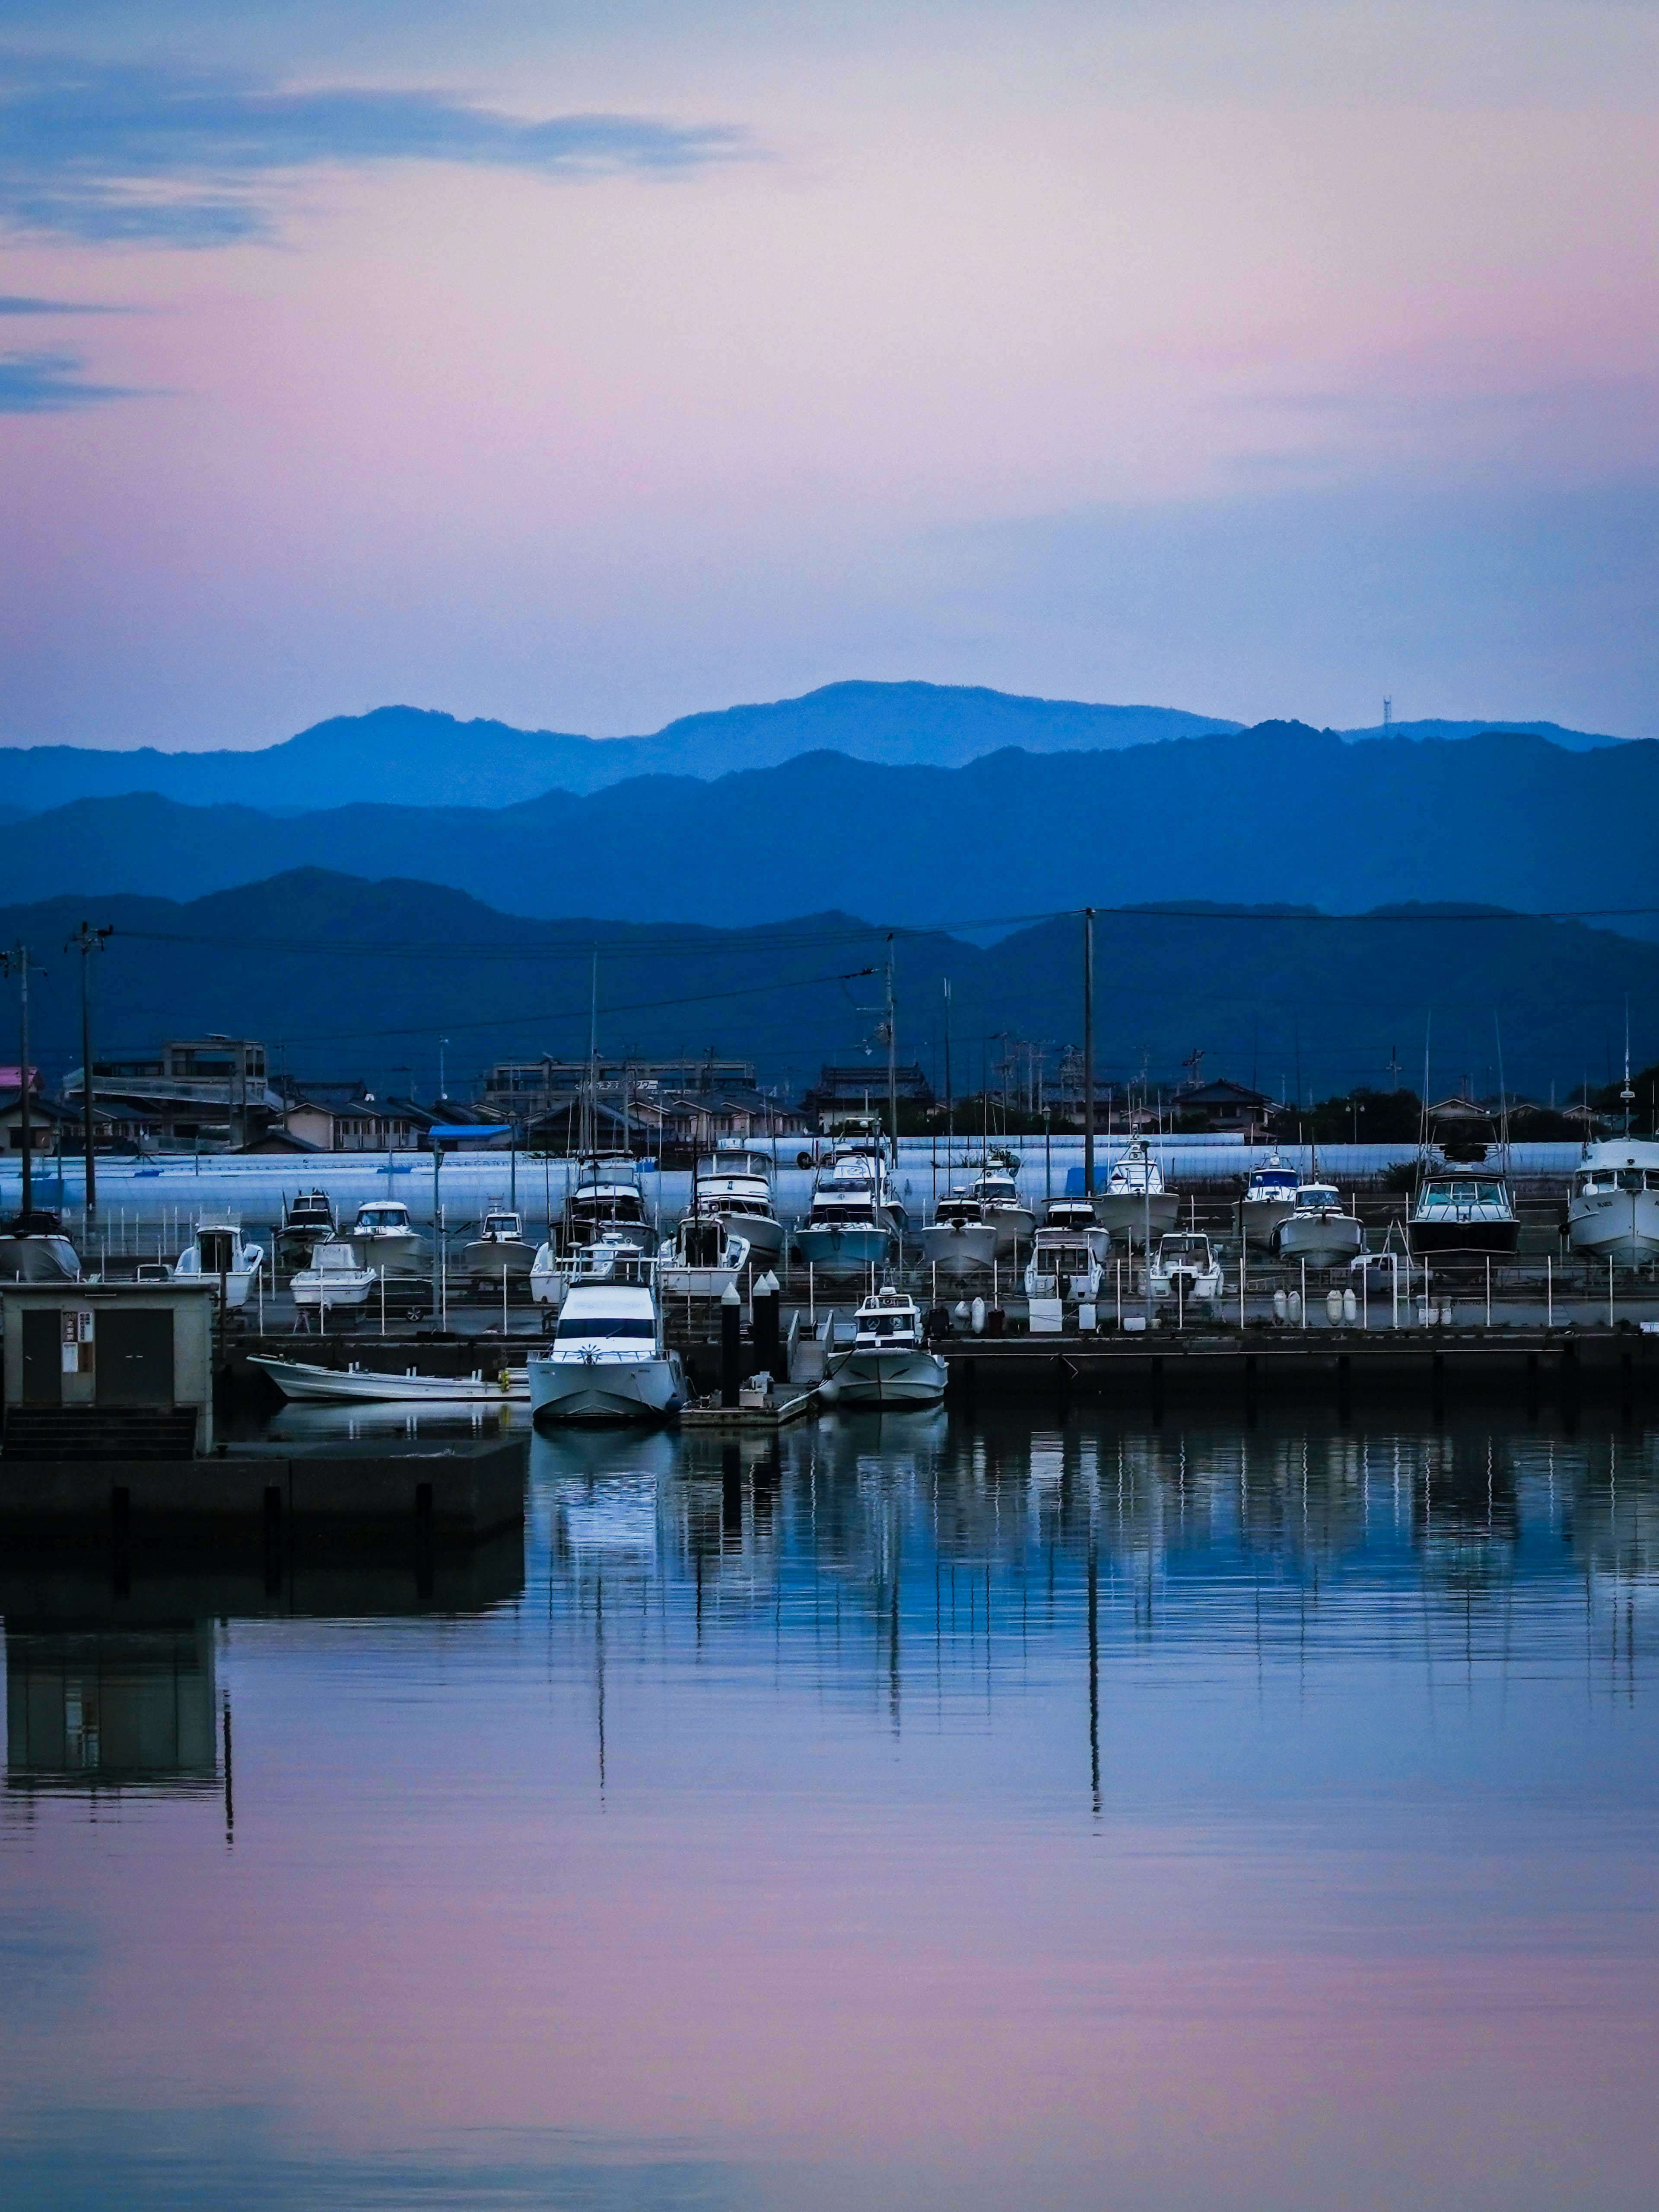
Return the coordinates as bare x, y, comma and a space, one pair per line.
1350, 1308
978, 1316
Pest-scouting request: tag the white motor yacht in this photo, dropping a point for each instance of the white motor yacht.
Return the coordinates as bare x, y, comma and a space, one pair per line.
333, 1278
217, 1253
1465, 1209
500, 1248
608, 1196
1613, 1213
734, 1183
1134, 1203
704, 1260
387, 1240
1269, 1199
961, 1239
1185, 1266
849, 1229
887, 1363
997, 1189
608, 1361
1317, 1231
1463, 1203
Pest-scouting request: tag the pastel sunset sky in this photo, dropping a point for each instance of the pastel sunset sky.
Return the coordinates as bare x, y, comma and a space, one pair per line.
589, 365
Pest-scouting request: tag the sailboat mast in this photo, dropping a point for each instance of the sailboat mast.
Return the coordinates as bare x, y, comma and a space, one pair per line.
1088, 1052
590, 1118
892, 1062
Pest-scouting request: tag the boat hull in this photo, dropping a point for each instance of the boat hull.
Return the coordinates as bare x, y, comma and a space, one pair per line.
906, 1378
1015, 1225
403, 1256
761, 1232
1329, 1242
1127, 1213
1620, 1226
38, 1260
307, 1384
1261, 1220
959, 1251
487, 1258
597, 1392
845, 1251
1495, 1240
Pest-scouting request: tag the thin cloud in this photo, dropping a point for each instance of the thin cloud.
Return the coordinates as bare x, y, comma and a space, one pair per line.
51, 384
108, 153
23, 303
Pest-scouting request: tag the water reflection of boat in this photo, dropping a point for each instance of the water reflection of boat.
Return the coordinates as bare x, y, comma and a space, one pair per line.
434, 1421
562, 1454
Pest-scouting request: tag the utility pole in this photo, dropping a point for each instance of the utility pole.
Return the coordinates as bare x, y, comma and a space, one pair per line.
18, 960
85, 941
1088, 1052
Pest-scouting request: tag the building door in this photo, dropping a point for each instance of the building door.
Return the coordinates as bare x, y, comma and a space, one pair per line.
135, 1357
43, 1356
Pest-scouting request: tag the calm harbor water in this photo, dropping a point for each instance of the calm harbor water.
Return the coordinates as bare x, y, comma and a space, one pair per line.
918, 1813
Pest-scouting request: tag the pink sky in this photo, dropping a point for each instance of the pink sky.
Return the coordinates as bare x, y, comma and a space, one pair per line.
1254, 361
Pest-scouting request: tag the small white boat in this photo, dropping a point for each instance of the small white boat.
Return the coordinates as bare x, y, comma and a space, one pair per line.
1317, 1231
338, 1385
1613, 1213
1185, 1268
1078, 1216
333, 1278
734, 1183
608, 1361
216, 1253
499, 1249
388, 1241
997, 1189
1134, 1203
961, 1239
549, 1275
887, 1363
1063, 1265
704, 1259
1269, 1199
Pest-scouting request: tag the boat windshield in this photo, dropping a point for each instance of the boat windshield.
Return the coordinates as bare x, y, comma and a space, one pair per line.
1184, 1247
1318, 1197
1268, 1183
591, 1325
897, 1324
382, 1217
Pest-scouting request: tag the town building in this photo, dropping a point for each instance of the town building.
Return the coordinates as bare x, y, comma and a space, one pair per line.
204, 1094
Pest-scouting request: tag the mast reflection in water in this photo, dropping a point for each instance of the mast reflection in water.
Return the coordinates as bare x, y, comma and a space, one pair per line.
902, 1812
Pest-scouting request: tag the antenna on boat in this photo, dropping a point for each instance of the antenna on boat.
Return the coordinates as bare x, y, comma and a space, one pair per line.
1502, 1094
1627, 1097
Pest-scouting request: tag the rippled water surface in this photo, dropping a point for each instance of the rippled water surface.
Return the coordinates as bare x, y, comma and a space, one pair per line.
919, 1812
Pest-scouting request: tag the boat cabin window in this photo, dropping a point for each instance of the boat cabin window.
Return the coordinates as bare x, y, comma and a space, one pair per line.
591, 1325
382, 1217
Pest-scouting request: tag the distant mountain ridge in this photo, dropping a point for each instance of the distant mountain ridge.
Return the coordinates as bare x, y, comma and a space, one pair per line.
1512, 820
354, 979
417, 757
